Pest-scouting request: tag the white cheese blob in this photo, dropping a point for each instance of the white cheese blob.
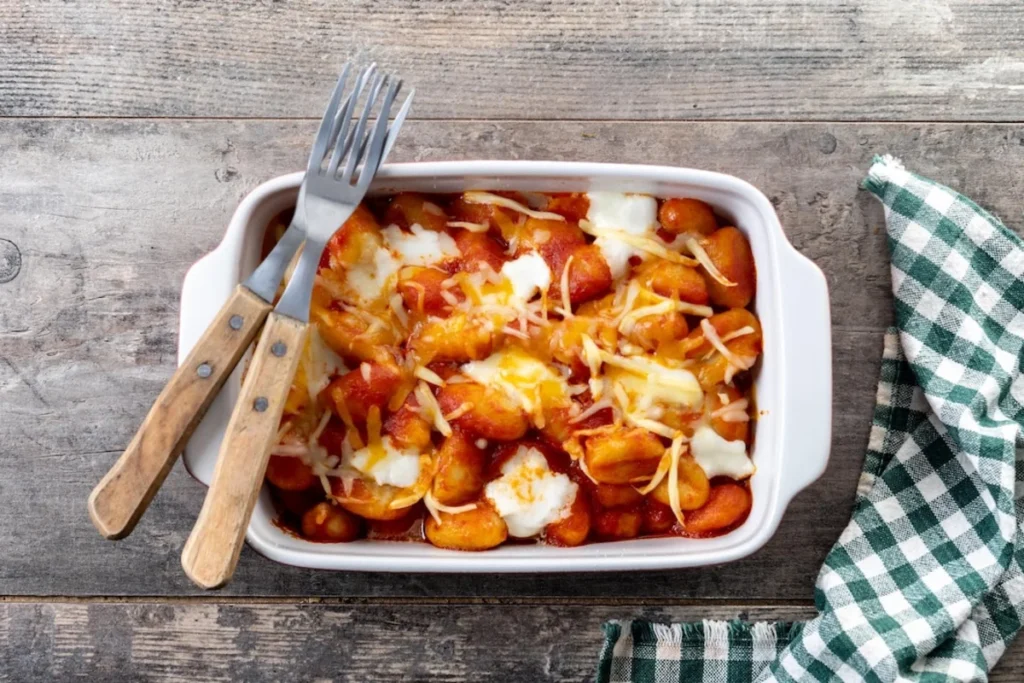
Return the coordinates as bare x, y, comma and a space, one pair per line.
529, 382
634, 214
528, 495
419, 247
387, 464
718, 457
528, 274
648, 382
369, 278
320, 363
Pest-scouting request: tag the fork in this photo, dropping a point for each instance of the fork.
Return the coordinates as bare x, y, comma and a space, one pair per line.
124, 493
341, 166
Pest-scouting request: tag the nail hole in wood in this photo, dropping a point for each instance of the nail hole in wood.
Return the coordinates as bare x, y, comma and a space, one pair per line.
10, 261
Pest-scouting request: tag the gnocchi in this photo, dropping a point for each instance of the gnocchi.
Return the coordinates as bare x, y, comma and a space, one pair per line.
496, 365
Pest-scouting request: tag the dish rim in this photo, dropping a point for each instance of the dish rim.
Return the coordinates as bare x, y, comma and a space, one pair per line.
634, 554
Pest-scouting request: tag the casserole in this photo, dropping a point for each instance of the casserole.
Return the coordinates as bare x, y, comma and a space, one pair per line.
793, 386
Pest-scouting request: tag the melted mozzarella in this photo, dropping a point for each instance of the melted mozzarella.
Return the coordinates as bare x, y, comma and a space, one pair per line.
420, 247
387, 464
528, 495
633, 214
370, 277
528, 275
648, 382
529, 382
718, 457
321, 363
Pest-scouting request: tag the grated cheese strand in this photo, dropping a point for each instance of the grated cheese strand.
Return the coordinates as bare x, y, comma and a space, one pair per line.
566, 309
463, 408
653, 426
739, 362
431, 410
594, 408
673, 477
702, 257
729, 411
435, 508
427, 375
398, 308
478, 197
630, 319
736, 334
591, 355
466, 225
663, 467
642, 243
320, 427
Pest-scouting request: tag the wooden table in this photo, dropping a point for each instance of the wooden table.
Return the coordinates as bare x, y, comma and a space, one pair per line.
129, 132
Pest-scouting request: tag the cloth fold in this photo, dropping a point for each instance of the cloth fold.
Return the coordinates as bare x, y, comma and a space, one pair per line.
926, 583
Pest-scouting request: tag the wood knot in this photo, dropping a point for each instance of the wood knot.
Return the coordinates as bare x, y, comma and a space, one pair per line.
827, 143
10, 260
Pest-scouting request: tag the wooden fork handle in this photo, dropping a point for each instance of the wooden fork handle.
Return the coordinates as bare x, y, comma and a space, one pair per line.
211, 552
119, 500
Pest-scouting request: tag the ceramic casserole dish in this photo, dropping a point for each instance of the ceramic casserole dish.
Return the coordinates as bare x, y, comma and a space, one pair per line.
793, 383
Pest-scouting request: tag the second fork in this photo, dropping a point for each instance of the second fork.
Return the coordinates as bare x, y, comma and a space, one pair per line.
340, 169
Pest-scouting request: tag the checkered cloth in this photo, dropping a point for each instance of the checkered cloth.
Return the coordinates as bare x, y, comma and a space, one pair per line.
926, 582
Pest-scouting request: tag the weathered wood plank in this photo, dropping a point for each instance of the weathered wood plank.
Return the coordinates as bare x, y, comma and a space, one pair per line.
532, 59
273, 642
88, 327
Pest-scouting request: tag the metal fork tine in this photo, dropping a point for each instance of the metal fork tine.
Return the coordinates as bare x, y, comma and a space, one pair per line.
343, 122
371, 98
353, 158
396, 125
327, 125
372, 161
366, 139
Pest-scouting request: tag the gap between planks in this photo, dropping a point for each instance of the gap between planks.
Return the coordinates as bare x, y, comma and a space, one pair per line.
471, 120
203, 599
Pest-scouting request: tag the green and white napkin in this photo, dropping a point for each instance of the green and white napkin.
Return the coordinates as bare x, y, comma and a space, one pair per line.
926, 582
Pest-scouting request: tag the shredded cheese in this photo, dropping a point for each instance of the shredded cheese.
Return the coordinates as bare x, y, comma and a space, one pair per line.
733, 412
673, 479
398, 308
702, 257
739, 362
427, 375
645, 244
736, 334
466, 225
430, 409
663, 467
594, 408
461, 410
435, 508
477, 197
566, 309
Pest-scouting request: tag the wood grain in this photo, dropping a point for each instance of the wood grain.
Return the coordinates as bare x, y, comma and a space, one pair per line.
124, 493
945, 60
211, 551
159, 641
88, 327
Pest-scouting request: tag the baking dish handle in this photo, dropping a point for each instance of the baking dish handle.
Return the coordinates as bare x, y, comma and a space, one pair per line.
807, 374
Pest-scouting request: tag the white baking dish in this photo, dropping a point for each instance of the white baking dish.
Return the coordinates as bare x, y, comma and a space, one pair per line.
793, 386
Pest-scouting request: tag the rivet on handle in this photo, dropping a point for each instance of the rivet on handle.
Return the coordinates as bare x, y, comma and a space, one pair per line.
204, 370
236, 322
278, 349
260, 404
